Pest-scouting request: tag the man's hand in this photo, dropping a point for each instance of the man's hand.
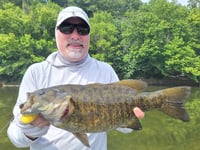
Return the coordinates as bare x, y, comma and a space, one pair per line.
138, 112
37, 128
39, 122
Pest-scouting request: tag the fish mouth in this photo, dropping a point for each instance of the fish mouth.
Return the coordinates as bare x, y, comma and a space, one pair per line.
65, 113
25, 109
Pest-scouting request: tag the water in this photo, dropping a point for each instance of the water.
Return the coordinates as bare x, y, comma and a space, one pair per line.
7, 101
159, 132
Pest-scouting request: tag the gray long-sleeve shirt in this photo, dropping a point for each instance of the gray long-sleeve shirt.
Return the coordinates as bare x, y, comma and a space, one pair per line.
55, 70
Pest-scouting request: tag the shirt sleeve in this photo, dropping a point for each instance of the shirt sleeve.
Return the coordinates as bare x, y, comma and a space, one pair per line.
14, 133
17, 137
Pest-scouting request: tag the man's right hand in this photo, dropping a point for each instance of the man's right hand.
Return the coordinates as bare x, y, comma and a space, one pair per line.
37, 128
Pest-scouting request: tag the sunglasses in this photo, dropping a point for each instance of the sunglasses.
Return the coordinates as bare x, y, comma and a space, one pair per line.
68, 28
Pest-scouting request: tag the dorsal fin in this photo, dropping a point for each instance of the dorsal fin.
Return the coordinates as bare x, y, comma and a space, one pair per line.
138, 85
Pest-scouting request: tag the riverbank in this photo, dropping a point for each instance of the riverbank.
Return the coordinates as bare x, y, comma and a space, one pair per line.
3, 84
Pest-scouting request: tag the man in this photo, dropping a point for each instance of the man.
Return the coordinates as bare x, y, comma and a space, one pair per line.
71, 64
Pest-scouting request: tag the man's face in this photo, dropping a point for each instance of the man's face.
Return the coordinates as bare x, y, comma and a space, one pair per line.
73, 45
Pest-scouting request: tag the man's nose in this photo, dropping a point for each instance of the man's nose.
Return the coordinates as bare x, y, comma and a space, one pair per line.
75, 33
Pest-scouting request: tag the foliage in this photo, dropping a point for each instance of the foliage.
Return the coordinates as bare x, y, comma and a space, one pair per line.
102, 43
116, 7
25, 37
156, 39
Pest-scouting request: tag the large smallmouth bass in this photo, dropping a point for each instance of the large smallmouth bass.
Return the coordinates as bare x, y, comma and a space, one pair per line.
91, 108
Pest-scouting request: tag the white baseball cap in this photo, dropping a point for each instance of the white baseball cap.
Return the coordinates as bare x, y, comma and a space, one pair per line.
72, 11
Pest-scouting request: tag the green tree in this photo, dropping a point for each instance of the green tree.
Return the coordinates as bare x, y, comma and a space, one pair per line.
12, 20
194, 20
156, 30
25, 37
116, 7
103, 36
157, 39
194, 3
181, 60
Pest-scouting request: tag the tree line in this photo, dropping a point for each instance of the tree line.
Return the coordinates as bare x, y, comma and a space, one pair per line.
140, 40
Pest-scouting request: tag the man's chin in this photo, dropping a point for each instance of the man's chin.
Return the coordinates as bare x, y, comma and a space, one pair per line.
75, 56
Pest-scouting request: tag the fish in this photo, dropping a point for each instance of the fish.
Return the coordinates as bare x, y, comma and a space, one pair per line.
97, 107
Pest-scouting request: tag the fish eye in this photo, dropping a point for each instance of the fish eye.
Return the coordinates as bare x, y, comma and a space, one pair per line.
21, 106
41, 92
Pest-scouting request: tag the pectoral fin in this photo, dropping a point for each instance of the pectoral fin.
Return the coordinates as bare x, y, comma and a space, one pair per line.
83, 138
134, 124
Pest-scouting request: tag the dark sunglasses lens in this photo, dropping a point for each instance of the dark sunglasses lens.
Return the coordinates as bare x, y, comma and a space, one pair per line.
83, 29
66, 29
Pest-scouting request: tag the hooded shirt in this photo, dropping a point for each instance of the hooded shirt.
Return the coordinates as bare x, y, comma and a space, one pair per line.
56, 70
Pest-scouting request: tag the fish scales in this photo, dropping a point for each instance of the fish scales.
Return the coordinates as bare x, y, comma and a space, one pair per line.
106, 109
90, 108
148, 102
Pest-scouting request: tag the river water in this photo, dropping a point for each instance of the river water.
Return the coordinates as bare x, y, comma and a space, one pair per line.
159, 132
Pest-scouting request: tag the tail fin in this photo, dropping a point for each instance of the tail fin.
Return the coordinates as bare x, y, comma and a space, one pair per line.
173, 105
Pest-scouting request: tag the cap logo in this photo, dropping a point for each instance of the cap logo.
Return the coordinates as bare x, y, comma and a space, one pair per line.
73, 13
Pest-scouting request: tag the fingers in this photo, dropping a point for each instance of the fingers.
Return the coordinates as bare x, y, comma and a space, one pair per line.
37, 128
40, 122
138, 112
